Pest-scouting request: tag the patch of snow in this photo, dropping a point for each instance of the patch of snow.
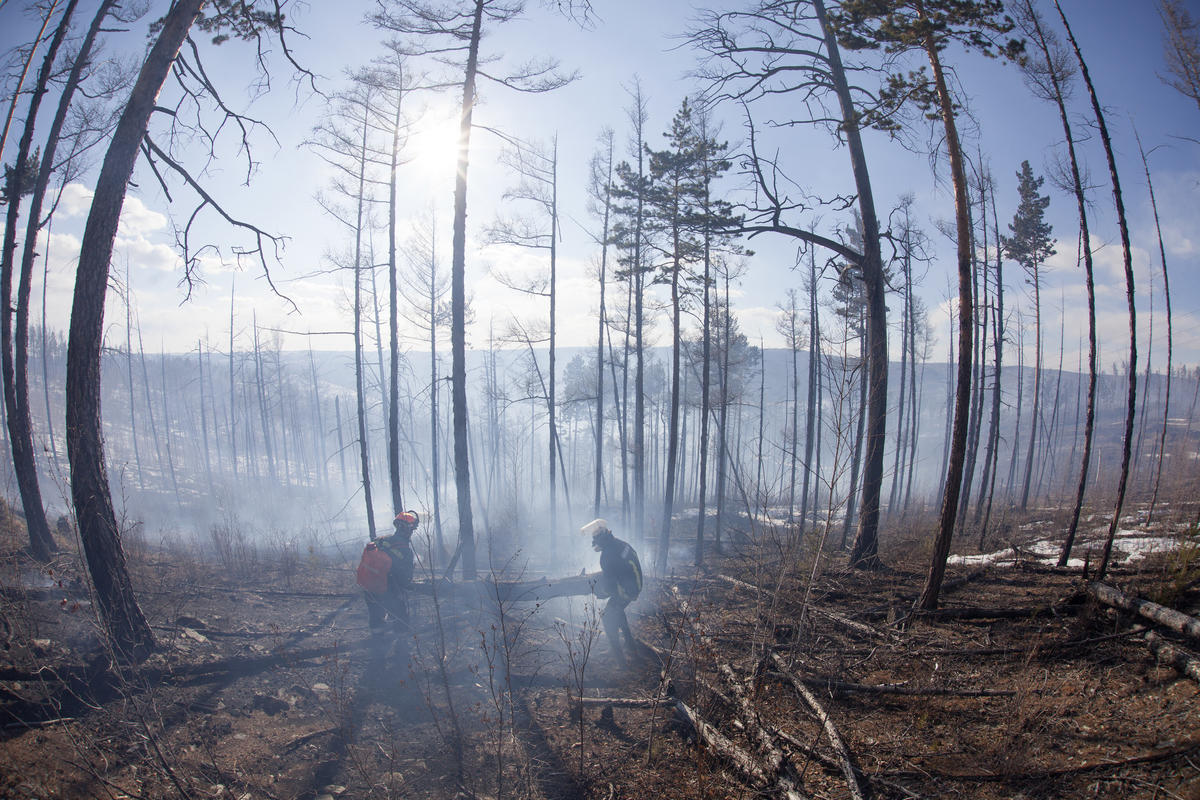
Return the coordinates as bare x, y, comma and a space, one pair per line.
1131, 544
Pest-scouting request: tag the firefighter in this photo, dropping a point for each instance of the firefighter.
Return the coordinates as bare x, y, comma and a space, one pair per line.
386, 574
620, 582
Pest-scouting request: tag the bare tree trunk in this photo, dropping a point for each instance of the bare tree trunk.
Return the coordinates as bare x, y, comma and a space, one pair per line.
1162, 253
992, 456
337, 410
360, 388
98, 531
814, 359
600, 325
233, 390
1126, 250
137, 457
393, 398
16, 92
14, 364
162, 364
458, 304
1037, 388
954, 472
866, 542
204, 419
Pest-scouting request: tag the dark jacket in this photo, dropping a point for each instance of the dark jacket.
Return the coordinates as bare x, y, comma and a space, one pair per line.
403, 562
621, 572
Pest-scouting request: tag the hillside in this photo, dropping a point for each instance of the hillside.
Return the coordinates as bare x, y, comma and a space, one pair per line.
264, 687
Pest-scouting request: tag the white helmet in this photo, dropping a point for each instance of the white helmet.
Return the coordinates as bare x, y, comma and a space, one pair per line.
593, 527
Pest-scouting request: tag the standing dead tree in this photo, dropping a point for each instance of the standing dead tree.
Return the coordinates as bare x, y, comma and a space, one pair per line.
928, 26
1127, 258
792, 48
451, 33
19, 181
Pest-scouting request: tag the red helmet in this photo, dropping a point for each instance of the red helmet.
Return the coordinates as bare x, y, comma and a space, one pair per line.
407, 520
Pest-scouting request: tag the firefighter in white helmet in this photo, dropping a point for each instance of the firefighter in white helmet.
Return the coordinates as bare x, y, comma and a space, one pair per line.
620, 582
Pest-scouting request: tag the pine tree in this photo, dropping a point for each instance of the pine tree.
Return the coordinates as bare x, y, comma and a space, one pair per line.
1030, 245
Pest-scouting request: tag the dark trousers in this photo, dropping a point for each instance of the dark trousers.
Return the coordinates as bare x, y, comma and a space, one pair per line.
615, 621
392, 604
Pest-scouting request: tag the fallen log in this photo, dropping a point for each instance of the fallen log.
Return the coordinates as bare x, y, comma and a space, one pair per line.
834, 765
764, 740
1176, 621
849, 623
625, 702
507, 592
895, 688
831, 731
1167, 653
722, 745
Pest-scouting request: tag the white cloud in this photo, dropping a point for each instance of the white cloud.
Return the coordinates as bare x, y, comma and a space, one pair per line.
144, 254
136, 219
76, 201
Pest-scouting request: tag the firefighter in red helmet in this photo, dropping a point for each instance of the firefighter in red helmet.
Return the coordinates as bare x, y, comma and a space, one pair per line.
386, 574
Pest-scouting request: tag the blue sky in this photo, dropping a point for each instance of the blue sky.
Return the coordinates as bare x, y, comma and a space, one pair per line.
1121, 40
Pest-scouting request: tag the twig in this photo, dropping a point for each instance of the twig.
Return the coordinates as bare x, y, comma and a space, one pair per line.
1096, 766
45, 723
299, 740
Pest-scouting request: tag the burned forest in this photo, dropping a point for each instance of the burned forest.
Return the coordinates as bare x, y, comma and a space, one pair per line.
599, 400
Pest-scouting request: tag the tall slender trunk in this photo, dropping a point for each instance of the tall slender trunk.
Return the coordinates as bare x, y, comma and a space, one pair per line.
337, 411
954, 473
232, 386
992, 457
162, 369
137, 457
1127, 257
458, 305
393, 398
814, 358
866, 541
204, 419
14, 361
1034, 412
45, 355
1162, 254
600, 325
551, 396
98, 529
664, 538
360, 388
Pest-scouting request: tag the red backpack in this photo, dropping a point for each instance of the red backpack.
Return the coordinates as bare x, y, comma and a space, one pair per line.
373, 569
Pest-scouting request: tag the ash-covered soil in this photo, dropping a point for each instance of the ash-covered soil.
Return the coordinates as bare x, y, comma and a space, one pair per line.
265, 685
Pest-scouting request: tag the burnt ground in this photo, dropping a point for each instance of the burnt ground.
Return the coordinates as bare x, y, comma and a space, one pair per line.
264, 685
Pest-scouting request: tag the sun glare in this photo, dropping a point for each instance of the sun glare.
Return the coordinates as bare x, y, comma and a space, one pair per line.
433, 145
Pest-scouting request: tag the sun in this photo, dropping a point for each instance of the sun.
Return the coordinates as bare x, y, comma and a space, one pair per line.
432, 145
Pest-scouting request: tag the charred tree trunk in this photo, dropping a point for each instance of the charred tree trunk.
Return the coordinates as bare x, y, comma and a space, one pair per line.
1126, 250
866, 542
458, 306
98, 531
954, 472
15, 361
1162, 252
